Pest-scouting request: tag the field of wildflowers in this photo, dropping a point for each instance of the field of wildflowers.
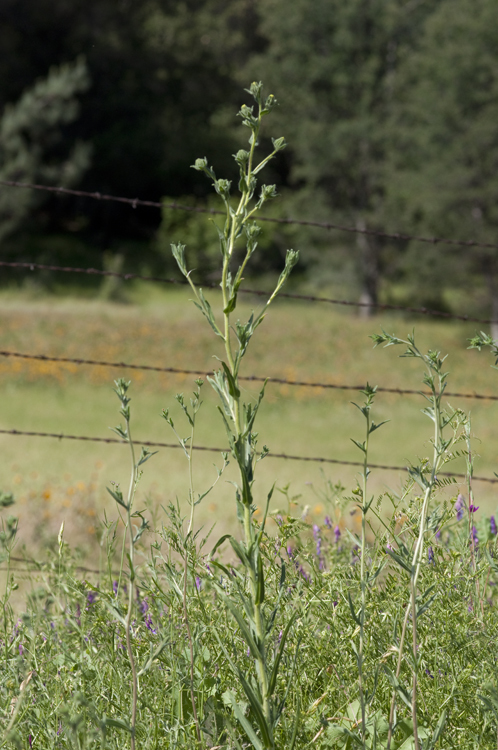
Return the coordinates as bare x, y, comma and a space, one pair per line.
364, 618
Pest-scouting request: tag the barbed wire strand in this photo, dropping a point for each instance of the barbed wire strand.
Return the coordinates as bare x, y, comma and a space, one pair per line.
249, 378
41, 566
285, 456
134, 202
27, 265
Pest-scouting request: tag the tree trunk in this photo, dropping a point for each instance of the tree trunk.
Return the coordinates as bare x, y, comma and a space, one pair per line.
489, 268
492, 281
370, 275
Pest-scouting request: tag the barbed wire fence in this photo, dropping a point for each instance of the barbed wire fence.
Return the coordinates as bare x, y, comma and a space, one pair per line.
134, 202
247, 378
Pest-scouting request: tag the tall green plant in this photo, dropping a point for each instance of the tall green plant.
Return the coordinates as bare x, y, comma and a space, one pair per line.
367, 576
248, 606
426, 477
132, 535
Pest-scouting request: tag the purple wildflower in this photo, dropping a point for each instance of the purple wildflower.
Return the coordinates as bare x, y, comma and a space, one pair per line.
91, 597
289, 552
198, 583
492, 524
438, 535
280, 636
473, 508
337, 534
148, 623
144, 606
328, 522
15, 630
431, 555
30, 740
115, 587
304, 574
474, 536
459, 507
21, 649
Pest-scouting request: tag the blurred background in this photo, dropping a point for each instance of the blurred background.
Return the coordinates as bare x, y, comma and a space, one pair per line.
390, 108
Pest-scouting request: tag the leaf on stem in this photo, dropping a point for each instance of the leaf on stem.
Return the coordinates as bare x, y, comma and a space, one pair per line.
145, 455
118, 496
232, 385
206, 309
243, 721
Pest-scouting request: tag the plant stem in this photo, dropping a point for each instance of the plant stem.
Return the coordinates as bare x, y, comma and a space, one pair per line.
363, 582
131, 493
185, 575
416, 564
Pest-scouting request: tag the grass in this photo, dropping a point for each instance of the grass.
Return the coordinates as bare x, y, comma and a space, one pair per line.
316, 342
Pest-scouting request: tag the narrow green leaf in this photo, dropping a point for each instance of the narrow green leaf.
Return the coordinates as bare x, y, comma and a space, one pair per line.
274, 673
438, 731
374, 426
244, 722
219, 543
118, 496
258, 712
296, 724
353, 613
118, 724
248, 637
240, 552
260, 581
399, 560
361, 446
145, 456
232, 385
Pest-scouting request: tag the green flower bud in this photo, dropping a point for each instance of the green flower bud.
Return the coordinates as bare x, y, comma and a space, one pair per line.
279, 143
222, 187
255, 90
241, 157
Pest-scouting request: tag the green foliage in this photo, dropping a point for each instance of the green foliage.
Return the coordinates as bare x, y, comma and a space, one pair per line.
444, 143
31, 140
390, 110
335, 65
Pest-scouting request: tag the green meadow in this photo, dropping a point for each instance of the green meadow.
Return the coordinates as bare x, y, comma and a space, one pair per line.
65, 480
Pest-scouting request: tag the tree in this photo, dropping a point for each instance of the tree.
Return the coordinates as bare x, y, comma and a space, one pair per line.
161, 70
334, 66
444, 164
32, 146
